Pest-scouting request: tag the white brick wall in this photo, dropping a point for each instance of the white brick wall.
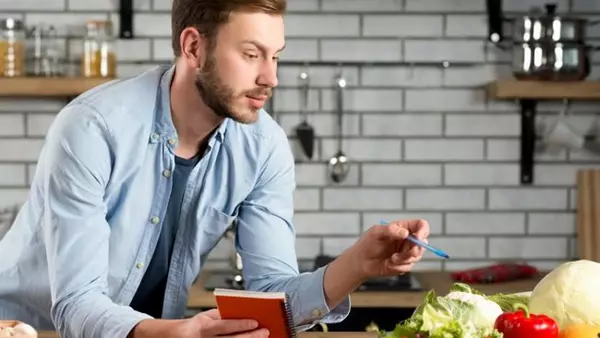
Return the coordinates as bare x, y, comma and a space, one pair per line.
424, 141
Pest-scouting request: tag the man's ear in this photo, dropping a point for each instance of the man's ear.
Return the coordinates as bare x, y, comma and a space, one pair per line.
193, 47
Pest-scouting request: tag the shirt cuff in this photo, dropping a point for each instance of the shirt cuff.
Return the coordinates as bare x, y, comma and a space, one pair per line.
314, 308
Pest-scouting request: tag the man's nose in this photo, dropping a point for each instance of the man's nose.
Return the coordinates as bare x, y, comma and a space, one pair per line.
268, 75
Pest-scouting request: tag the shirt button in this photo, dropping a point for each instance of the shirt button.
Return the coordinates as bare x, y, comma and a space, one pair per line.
154, 137
167, 173
155, 220
172, 141
139, 265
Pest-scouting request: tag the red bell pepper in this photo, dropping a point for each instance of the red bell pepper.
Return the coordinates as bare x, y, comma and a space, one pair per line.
522, 324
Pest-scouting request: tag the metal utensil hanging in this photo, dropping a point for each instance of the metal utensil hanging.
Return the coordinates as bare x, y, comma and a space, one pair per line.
339, 165
304, 131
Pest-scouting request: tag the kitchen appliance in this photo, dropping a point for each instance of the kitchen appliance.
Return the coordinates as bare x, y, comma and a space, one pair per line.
404, 282
223, 279
232, 278
545, 45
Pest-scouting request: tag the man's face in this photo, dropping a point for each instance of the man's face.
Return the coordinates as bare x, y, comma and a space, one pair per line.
239, 71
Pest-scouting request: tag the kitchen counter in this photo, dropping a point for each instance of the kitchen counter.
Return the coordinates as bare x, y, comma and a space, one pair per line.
51, 334
439, 281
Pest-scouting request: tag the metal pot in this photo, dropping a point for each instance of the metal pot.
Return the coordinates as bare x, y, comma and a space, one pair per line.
551, 61
545, 46
537, 26
549, 26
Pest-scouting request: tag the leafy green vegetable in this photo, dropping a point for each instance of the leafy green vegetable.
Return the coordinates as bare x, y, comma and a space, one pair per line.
457, 315
506, 301
441, 317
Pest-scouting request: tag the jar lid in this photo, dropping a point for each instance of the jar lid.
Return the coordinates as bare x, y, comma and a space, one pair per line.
11, 24
95, 27
98, 23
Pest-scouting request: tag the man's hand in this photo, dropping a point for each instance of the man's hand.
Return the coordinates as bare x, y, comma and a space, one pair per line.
207, 324
383, 250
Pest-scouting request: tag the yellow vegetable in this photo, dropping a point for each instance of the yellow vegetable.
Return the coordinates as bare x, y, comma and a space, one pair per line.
581, 331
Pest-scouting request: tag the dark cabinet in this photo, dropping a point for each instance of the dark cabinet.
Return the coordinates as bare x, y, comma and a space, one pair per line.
359, 319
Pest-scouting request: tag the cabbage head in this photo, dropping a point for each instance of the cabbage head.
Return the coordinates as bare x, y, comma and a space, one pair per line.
570, 294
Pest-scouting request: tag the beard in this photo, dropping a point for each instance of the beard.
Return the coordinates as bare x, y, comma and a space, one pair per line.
222, 98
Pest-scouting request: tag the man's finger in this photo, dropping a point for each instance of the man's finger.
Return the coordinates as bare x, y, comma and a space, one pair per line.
419, 228
212, 313
400, 268
396, 231
402, 258
230, 326
415, 251
261, 333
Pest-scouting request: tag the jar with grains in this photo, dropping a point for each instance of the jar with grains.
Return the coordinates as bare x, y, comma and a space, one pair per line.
12, 48
99, 57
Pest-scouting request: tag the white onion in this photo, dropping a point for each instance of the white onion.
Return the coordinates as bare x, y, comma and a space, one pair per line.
19, 330
25, 329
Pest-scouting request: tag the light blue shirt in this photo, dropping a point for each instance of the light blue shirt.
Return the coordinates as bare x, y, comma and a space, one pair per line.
79, 246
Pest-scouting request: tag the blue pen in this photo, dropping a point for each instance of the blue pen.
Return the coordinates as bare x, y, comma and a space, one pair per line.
425, 245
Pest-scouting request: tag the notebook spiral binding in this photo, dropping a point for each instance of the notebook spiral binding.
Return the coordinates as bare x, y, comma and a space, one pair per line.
292, 333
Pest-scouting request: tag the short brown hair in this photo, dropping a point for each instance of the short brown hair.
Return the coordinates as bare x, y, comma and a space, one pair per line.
208, 15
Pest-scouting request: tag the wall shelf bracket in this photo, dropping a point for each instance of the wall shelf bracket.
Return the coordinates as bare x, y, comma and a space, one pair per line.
528, 137
126, 19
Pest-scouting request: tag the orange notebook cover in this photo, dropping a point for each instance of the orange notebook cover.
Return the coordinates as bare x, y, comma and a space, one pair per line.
270, 309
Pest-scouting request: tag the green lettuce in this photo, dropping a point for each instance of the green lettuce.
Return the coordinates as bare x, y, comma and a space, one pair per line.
440, 317
507, 301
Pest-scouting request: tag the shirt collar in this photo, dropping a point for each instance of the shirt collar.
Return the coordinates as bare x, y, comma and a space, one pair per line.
164, 129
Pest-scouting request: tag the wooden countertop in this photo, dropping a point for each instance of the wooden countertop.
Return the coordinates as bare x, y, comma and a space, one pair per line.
51, 334
439, 281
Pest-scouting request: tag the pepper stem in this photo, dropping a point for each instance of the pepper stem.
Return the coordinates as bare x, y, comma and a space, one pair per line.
519, 306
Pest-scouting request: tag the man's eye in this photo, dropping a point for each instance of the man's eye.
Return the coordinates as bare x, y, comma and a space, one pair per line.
251, 55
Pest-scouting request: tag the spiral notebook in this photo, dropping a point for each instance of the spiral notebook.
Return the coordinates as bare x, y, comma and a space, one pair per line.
271, 310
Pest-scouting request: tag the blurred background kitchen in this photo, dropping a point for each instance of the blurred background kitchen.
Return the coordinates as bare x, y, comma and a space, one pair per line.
424, 134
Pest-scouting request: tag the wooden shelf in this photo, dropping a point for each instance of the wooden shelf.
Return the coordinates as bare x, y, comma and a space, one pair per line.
47, 86
538, 90
528, 93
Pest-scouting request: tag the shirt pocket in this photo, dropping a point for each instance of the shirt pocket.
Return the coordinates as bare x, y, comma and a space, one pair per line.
214, 223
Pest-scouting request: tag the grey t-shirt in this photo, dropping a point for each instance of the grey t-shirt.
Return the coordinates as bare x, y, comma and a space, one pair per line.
150, 294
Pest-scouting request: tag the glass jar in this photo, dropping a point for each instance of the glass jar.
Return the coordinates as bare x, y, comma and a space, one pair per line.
12, 48
99, 57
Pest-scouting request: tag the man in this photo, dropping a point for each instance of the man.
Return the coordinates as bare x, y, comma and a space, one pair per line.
139, 179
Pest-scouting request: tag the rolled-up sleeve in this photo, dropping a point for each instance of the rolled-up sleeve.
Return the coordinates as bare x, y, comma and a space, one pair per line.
266, 242
72, 174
